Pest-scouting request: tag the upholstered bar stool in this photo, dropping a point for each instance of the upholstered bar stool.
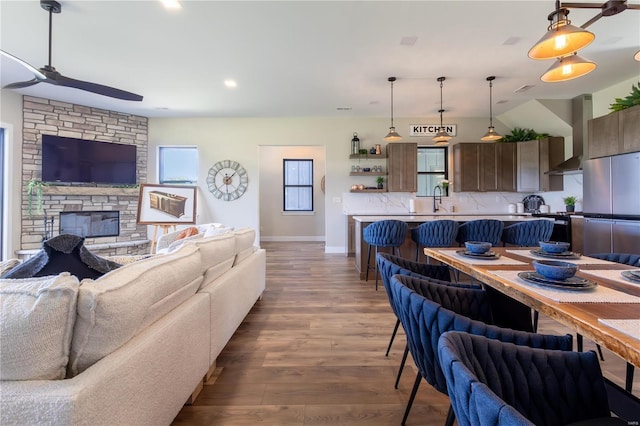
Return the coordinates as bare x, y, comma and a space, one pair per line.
527, 234
436, 233
488, 230
383, 233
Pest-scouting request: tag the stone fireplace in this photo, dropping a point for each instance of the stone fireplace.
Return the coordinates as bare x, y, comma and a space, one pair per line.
44, 116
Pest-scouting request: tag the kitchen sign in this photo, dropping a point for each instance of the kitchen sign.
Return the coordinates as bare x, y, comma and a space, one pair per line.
431, 129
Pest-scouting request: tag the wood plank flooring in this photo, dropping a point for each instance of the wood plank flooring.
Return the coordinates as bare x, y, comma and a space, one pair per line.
311, 352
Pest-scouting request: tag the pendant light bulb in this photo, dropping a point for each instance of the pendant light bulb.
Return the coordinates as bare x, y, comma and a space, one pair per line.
491, 135
441, 137
392, 136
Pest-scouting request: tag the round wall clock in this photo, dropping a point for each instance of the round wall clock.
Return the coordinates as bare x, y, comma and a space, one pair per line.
227, 180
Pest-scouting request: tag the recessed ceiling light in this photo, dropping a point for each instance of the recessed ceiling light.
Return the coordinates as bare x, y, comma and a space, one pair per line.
503, 101
171, 4
231, 84
408, 40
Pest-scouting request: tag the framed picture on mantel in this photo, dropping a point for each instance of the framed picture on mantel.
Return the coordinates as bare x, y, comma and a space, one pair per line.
166, 204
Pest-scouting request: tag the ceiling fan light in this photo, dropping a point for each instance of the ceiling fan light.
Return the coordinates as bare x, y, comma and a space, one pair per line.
392, 136
637, 56
491, 135
561, 38
568, 68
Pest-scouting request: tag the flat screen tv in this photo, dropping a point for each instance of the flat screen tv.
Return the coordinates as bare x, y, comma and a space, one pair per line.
73, 160
90, 223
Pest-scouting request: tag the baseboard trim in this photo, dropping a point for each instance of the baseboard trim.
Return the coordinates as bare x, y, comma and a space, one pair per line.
320, 238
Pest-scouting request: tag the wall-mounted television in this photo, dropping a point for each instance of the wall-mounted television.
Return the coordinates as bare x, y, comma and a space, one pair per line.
90, 223
73, 160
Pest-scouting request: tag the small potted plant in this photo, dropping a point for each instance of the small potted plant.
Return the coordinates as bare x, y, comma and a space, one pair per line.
570, 203
445, 186
380, 181
34, 189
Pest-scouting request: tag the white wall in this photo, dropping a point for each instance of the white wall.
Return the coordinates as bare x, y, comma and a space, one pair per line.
274, 224
603, 98
11, 121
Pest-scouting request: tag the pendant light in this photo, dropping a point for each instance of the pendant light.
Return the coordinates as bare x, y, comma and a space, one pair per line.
568, 68
392, 136
442, 137
491, 135
561, 38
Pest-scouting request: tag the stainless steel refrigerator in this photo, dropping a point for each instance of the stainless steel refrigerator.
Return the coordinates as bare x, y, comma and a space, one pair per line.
611, 204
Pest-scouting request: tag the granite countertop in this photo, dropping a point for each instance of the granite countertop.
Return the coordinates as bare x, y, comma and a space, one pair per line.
458, 217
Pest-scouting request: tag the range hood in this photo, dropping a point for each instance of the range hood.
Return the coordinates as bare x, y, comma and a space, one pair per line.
581, 113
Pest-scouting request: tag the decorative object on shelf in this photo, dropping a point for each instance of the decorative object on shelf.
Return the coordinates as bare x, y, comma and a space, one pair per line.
355, 144
521, 135
392, 136
380, 181
491, 135
34, 187
363, 151
227, 180
442, 137
563, 40
570, 203
372, 150
378, 149
632, 99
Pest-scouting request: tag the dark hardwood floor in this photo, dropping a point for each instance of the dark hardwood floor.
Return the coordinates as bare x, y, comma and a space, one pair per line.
311, 352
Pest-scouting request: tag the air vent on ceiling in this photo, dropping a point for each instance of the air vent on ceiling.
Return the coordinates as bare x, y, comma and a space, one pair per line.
524, 88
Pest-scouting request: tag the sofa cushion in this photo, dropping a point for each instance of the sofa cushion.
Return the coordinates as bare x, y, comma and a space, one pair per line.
120, 304
218, 254
37, 316
244, 244
212, 231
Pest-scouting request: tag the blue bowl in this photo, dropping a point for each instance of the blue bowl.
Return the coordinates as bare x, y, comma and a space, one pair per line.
477, 247
555, 269
553, 246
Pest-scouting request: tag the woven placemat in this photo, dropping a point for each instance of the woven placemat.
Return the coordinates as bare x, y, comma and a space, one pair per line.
502, 260
599, 294
583, 260
630, 327
611, 275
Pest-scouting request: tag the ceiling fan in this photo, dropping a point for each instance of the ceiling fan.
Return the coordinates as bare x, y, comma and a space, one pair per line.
48, 74
609, 8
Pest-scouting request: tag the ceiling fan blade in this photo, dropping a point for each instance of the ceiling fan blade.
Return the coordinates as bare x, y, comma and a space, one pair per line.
36, 72
21, 84
100, 89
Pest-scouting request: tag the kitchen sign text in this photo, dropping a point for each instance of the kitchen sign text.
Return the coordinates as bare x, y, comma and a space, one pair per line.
431, 129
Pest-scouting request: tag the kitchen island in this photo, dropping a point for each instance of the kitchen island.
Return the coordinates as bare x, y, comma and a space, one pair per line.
408, 249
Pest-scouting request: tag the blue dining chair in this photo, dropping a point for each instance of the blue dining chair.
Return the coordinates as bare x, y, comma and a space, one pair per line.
488, 230
435, 233
426, 316
383, 233
491, 382
390, 265
528, 233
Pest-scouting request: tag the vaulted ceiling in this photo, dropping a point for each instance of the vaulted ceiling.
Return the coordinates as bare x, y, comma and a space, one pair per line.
307, 58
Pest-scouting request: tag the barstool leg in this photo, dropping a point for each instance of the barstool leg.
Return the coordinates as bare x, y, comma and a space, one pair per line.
376, 268
417, 251
366, 275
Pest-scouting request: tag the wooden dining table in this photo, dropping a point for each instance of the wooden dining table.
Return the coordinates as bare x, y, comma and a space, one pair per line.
587, 318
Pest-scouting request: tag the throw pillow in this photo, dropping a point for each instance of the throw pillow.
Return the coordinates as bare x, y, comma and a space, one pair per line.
7, 265
37, 316
63, 253
188, 232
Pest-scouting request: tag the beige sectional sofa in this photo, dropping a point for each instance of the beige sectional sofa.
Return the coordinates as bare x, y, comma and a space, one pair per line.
131, 347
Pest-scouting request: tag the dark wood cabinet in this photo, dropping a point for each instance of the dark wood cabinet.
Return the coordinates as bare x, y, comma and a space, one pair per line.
615, 133
484, 167
534, 159
402, 163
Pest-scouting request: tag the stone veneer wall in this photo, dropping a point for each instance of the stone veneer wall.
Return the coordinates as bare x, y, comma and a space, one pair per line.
44, 116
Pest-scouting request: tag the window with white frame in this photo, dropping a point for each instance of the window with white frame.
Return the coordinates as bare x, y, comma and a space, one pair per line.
178, 165
432, 169
298, 185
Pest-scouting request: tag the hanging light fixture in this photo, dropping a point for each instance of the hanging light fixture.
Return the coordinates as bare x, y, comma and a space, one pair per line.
637, 56
491, 135
561, 38
441, 137
568, 68
392, 136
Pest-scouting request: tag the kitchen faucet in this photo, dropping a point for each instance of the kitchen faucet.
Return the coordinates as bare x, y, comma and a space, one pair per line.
439, 198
